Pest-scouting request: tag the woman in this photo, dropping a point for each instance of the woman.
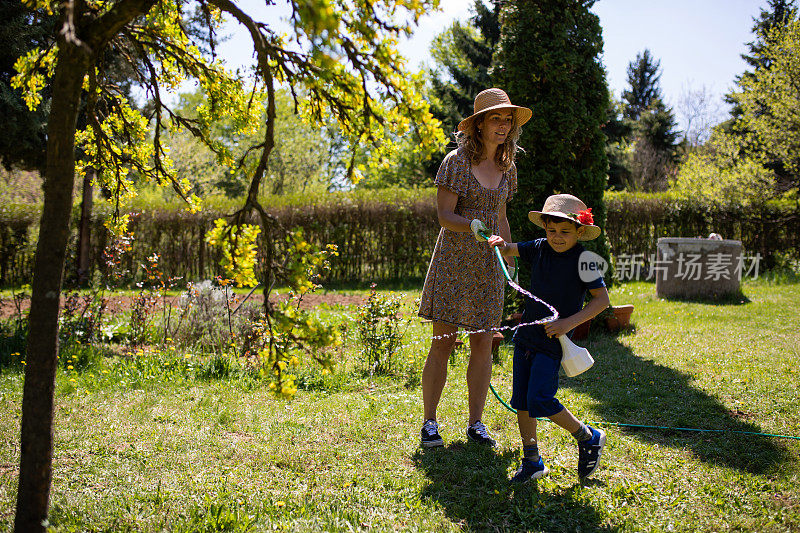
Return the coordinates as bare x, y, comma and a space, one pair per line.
464, 285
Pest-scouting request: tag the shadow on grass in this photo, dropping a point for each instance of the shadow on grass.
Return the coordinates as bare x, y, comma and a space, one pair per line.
737, 298
471, 484
631, 390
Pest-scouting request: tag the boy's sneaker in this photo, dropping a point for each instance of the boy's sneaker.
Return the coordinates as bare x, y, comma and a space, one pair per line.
477, 432
589, 452
430, 434
529, 470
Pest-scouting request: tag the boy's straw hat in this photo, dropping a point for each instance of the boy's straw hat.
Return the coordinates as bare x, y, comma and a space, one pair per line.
571, 208
491, 99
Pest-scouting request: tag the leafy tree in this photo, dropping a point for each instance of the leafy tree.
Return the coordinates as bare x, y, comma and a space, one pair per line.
778, 14
717, 173
340, 49
769, 100
548, 59
299, 159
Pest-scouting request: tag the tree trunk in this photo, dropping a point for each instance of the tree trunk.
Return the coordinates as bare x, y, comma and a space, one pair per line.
36, 440
85, 230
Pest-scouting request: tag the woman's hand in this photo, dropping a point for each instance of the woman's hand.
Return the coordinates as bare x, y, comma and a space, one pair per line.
477, 226
557, 328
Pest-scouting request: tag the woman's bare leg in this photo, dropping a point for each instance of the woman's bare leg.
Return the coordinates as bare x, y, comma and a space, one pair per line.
479, 373
434, 373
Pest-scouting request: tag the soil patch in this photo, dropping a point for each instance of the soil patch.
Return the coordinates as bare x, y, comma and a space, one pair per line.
119, 304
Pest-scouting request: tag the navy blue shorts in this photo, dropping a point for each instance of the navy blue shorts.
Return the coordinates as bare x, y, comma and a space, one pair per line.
535, 382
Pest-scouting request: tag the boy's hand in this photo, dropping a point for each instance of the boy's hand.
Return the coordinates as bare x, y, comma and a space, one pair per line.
557, 328
497, 240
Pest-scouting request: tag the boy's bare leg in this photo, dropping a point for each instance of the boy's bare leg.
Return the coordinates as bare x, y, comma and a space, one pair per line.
566, 420
434, 374
479, 373
527, 428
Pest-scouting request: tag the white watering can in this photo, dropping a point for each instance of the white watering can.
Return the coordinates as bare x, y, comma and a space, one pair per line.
575, 360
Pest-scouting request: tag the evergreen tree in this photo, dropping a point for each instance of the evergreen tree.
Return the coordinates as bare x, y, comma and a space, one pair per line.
22, 140
643, 78
548, 59
618, 131
463, 54
769, 100
778, 14
652, 125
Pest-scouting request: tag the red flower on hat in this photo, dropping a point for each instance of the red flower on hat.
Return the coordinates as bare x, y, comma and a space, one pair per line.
585, 217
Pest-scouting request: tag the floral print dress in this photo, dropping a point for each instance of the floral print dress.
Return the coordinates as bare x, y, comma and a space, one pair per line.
464, 284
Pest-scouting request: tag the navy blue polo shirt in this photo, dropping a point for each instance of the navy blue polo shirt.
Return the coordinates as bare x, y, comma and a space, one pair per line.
556, 280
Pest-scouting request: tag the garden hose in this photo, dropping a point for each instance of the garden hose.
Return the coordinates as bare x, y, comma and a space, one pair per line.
509, 278
618, 424
503, 266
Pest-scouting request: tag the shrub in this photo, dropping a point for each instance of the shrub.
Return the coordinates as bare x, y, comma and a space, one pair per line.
380, 329
219, 366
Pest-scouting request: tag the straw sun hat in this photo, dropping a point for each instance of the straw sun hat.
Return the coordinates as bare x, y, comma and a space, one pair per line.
491, 99
571, 208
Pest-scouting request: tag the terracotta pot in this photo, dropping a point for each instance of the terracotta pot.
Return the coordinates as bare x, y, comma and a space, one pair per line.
497, 340
581, 331
621, 318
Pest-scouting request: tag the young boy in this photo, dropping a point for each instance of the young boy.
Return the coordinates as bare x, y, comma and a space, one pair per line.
555, 278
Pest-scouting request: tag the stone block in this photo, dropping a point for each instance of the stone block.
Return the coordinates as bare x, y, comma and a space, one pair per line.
697, 268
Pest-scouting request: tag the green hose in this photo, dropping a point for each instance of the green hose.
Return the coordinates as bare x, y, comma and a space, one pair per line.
502, 261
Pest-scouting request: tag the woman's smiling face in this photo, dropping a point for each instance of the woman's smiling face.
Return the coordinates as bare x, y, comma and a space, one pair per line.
496, 126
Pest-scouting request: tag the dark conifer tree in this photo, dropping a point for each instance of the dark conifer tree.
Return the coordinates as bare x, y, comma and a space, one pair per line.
643, 78
23, 138
657, 124
618, 131
652, 125
778, 13
548, 59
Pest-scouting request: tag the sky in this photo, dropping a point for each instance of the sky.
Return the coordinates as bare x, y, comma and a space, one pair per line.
699, 42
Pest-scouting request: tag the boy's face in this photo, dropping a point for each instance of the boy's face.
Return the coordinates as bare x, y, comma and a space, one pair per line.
562, 235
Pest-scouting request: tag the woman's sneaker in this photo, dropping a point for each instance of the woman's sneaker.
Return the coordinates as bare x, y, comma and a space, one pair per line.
477, 432
529, 470
430, 434
589, 452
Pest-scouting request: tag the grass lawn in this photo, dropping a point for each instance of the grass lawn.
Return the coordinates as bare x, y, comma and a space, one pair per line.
144, 445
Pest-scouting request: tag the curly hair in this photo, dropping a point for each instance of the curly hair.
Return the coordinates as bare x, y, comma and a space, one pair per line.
470, 141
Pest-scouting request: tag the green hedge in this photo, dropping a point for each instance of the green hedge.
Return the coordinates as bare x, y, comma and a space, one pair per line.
636, 221
387, 235
17, 242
